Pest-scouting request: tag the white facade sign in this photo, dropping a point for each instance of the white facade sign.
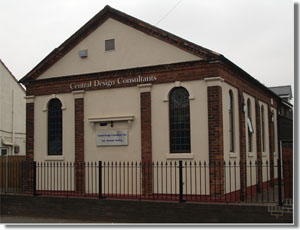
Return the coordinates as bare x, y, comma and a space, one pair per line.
112, 137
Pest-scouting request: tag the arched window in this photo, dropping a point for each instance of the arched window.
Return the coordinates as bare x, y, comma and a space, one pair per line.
273, 129
250, 127
54, 127
179, 114
231, 120
262, 112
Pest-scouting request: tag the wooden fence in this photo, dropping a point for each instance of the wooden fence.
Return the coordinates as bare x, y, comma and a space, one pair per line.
14, 172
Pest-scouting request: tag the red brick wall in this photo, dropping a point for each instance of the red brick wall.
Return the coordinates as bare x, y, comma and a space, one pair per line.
29, 145
287, 159
146, 137
164, 73
271, 142
29, 131
240, 82
79, 144
215, 137
243, 176
258, 143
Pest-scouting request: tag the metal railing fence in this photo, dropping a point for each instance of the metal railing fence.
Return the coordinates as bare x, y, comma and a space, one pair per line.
173, 180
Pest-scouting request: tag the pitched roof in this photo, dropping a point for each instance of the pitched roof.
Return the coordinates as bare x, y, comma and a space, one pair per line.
281, 91
97, 20
13, 77
109, 12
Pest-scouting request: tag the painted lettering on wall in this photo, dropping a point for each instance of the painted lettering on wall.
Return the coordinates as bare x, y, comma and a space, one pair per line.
111, 83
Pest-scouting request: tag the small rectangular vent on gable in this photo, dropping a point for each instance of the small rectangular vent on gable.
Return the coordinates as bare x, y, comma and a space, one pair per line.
83, 53
109, 44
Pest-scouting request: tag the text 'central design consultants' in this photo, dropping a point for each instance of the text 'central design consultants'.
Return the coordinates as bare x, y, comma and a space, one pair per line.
110, 83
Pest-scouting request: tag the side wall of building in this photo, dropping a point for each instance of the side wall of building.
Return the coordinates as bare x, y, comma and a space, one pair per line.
12, 107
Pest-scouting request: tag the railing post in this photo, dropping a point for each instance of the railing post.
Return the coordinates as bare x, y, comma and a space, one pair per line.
34, 178
180, 183
280, 203
100, 179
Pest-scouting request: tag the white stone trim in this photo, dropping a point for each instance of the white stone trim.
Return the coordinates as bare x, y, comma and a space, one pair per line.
179, 156
214, 81
250, 154
54, 158
233, 155
178, 84
78, 94
29, 99
63, 107
128, 118
144, 88
110, 118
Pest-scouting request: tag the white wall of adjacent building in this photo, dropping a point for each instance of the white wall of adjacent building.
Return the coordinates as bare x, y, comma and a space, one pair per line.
13, 113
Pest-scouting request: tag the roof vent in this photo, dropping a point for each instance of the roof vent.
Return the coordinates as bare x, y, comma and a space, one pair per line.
83, 53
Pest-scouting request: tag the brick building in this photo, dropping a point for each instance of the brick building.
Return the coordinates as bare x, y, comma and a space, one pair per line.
120, 89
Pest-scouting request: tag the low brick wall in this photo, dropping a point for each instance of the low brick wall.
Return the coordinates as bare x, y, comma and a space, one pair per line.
127, 211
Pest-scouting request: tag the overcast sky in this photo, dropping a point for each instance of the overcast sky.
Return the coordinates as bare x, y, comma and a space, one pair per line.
257, 35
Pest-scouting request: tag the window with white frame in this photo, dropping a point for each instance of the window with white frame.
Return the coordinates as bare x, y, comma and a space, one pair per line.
262, 112
4, 151
54, 127
250, 126
231, 120
179, 115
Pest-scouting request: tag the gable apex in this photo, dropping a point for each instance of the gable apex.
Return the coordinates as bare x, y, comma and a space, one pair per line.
106, 13
11, 75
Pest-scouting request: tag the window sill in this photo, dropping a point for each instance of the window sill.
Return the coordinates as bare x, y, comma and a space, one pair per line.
180, 156
264, 155
54, 158
232, 155
250, 154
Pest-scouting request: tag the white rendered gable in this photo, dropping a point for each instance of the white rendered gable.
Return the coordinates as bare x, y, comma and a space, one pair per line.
132, 49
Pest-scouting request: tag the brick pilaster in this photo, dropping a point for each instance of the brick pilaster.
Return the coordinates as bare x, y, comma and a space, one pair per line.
29, 128
242, 123
28, 182
271, 145
79, 141
146, 137
215, 135
258, 144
